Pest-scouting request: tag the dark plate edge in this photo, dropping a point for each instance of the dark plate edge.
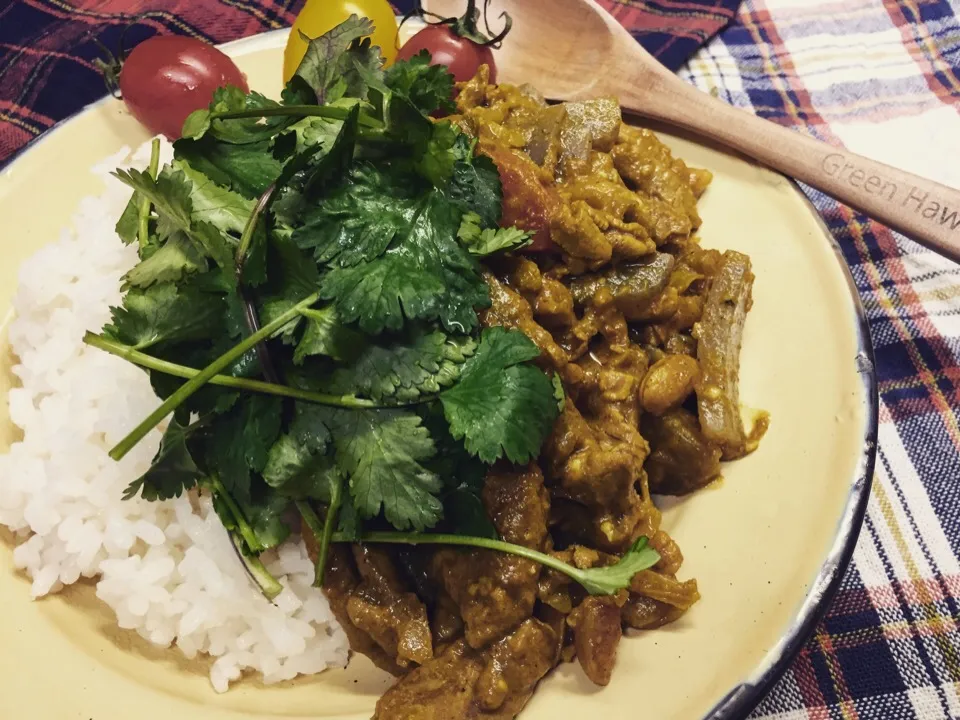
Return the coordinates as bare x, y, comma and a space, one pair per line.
742, 699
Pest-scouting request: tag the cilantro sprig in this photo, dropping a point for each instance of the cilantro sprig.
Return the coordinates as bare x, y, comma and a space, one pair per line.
306, 307
603, 580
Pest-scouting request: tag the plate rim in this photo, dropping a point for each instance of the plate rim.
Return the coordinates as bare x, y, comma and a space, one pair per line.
742, 699
745, 696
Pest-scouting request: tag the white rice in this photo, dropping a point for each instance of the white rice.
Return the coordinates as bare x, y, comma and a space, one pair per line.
167, 569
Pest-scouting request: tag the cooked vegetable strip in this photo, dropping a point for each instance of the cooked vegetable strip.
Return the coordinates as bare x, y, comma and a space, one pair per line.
143, 234
204, 376
604, 580
633, 286
718, 352
258, 386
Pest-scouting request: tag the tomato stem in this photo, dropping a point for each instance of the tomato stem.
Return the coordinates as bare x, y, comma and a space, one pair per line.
333, 113
467, 25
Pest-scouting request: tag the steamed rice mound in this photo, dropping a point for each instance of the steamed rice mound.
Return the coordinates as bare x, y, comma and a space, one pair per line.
167, 569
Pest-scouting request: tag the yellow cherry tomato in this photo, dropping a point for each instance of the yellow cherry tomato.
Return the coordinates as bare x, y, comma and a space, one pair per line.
319, 16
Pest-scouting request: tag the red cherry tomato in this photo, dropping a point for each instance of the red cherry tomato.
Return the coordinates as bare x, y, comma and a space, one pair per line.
462, 56
167, 77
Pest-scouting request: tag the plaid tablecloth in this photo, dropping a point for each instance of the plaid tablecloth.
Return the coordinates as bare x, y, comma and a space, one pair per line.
878, 76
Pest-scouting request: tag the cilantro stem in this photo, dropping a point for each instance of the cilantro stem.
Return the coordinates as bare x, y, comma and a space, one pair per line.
246, 532
203, 377
310, 517
246, 237
267, 583
605, 580
333, 113
168, 368
249, 307
143, 228
323, 533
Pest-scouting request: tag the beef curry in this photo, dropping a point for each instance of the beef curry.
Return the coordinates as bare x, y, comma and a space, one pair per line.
642, 327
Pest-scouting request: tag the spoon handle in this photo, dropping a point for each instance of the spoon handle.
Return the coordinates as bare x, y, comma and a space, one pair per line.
922, 209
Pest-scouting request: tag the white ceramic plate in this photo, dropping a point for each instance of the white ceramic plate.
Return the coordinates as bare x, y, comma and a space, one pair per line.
768, 545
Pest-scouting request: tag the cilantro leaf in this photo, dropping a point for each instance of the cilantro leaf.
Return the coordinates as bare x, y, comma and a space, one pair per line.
482, 242
170, 195
264, 512
436, 158
169, 262
607, 580
475, 184
298, 464
558, 392
463, 509
357, 221
425, 363
172, 471
246, 169
463, 478
219, 206
241, 439
315, 169
292, 277
129, 223
394, 254
381, 452
501, 406
329, 65
165, 313
326, 335
236, 131
296, 473
428, 87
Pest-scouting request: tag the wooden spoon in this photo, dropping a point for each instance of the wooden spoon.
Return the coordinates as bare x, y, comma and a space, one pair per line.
575, 50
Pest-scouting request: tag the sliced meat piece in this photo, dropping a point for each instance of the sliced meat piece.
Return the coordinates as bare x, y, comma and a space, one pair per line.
440, 689
553, 305
682, 459
573, 228
647, 164
381, 607
643, 613
509, 309
518, 504
593, 467
340, 580
597, 464
466, 684
496, 591
514, 666
596, 635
